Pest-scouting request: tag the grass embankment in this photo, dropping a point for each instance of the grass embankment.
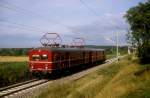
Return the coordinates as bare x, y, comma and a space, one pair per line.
115, 81
13, 72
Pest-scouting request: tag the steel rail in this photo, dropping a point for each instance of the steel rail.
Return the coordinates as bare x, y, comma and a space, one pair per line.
22, 86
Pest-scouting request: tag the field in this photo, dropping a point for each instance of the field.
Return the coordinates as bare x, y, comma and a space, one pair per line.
126, 79
13, 58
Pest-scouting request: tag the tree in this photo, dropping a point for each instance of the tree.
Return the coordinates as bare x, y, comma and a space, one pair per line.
139, 19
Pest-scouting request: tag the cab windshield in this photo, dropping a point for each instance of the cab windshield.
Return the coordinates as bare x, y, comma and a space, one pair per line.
35, 57
44, 57
39, 57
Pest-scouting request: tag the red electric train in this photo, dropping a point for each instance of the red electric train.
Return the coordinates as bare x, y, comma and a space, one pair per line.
49, 59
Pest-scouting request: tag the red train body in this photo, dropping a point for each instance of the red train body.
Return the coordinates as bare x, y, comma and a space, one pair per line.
50, 59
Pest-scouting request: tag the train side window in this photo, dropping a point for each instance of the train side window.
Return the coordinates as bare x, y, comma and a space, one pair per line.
103, 52
62, 57
44, 57
35, 57
56, 57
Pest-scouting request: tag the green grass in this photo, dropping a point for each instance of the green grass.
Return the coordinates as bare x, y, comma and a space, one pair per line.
13, 72
115, 81
86, 87
112, 53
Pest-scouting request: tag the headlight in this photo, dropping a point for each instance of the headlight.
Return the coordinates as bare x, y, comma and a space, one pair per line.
46, 66
31, 67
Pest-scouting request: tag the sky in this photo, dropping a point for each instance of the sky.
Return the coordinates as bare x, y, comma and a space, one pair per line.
24, 22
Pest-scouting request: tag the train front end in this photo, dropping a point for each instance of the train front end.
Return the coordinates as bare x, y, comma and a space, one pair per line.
40, 61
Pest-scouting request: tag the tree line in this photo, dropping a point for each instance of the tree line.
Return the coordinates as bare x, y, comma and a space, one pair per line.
14, 51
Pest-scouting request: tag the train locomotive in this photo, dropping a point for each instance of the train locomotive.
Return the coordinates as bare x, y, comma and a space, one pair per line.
53, 57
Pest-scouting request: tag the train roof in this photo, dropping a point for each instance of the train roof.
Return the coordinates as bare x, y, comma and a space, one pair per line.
68, 49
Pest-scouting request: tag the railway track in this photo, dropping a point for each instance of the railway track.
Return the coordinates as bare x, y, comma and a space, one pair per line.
6, 91
37, 86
